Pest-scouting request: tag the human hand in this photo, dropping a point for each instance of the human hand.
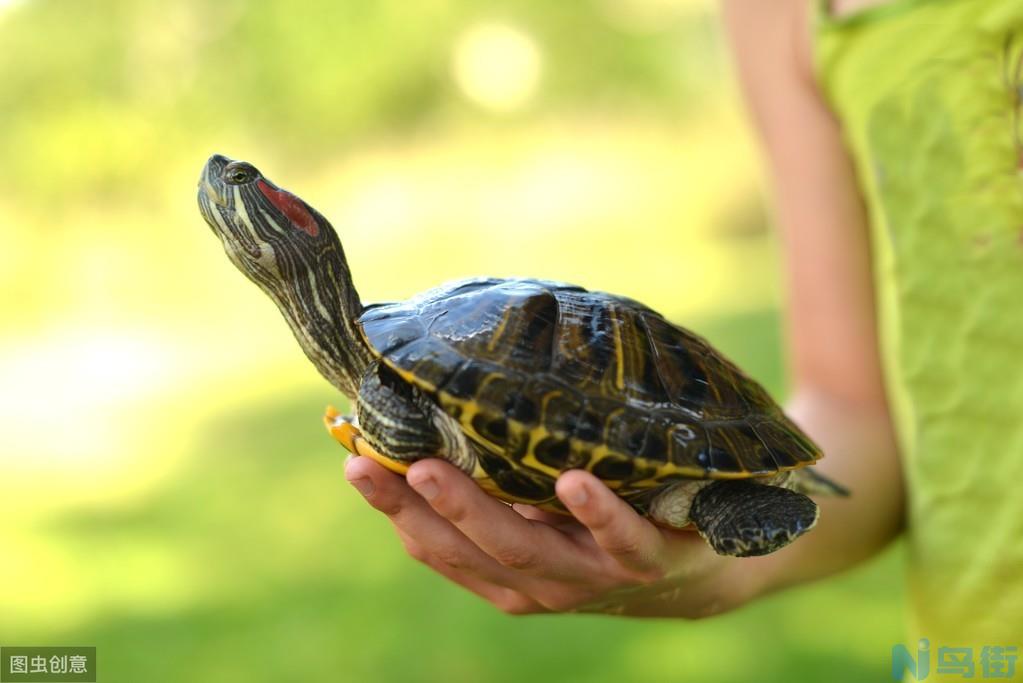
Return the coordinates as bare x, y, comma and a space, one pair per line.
608, 559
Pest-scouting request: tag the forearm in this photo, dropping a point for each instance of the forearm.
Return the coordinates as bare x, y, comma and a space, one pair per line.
861, 453
831, 325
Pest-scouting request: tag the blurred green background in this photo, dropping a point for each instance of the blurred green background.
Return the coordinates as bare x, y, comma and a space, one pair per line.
167, 491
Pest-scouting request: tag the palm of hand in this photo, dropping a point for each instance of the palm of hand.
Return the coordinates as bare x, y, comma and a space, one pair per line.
604, 559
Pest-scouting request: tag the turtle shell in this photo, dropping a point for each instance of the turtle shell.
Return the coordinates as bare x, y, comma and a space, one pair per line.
547, 377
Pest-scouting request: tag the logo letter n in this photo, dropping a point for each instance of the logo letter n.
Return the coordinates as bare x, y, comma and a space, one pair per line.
902, 661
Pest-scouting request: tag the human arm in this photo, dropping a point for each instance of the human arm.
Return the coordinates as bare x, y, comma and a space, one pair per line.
836, 376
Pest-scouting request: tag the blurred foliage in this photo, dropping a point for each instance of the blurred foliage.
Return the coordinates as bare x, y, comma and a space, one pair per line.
151, 78
167, 491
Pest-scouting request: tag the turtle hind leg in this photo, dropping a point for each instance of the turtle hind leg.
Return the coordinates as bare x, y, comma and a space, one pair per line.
743, 518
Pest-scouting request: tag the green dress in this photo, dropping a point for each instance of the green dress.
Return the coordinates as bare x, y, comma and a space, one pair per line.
929, 94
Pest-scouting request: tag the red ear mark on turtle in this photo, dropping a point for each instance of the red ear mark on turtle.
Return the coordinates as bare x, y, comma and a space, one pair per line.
292, 207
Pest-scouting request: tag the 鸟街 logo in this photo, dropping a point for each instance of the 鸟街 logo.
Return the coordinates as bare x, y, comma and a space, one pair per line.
993, 661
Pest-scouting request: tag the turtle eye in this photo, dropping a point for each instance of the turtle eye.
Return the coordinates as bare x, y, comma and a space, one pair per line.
239, 174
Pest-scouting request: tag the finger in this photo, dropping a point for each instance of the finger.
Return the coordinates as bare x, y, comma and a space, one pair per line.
391, 495
499, 531
535, 514
505, 599
630, 540
380, 487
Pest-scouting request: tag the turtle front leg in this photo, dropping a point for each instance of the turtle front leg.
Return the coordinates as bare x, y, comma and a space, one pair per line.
397, 425
345, 431
395, 418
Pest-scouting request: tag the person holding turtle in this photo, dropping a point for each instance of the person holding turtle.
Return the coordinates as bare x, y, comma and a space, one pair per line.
896, 169
892, 134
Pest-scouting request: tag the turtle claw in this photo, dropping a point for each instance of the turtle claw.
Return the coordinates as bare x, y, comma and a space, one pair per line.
342, 428
346, 433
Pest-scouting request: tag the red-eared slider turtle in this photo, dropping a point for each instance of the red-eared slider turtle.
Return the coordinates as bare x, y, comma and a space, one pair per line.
516, 380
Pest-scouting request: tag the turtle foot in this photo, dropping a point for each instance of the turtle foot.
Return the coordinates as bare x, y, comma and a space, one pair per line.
342, 428
346, 433
742, 518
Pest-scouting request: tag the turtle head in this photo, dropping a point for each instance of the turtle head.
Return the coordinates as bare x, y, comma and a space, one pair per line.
270, 234
293, 254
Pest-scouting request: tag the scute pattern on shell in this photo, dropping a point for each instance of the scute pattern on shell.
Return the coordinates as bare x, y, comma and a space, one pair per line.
547, 377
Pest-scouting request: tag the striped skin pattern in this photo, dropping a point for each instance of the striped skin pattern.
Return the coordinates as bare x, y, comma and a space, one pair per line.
546, 377
293, 254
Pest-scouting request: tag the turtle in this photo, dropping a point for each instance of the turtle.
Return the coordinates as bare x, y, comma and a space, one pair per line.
517, 380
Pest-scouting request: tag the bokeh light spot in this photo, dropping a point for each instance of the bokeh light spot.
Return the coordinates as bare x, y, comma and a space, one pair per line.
497, 66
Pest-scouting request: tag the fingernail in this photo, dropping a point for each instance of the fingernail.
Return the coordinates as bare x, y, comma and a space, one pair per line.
362, 485
577, 497
427, 488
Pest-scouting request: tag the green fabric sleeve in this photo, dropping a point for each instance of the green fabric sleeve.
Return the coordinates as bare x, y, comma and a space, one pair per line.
929, 93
